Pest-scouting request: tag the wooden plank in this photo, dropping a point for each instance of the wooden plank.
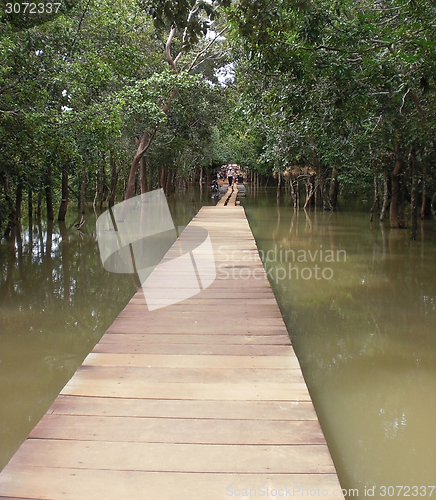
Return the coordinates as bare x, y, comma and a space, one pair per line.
136, 329
181, 338
194, 327
197, 349
178, 430
91, 484
155, 457
225, 197
191, 361
242, 410
131, 374
236, 391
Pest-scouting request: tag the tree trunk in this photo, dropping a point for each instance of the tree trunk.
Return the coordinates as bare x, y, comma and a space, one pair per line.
30, 215
414, 195
83, 191
334, 188
279, 184
18, 202
143, 175
403, 196
163, 178
386, 195
39, 205
170, 188
394, 213
143, 145
103, 183
150, 180
424, 192
433, 205
376, 204
293, 184
65, 194
297, 194
310, 191
114, 179
30, 205
49, 194
9, 203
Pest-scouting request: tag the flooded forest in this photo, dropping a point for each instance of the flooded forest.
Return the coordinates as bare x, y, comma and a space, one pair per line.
329, 109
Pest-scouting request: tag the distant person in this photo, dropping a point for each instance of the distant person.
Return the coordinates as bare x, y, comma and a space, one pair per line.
230, 176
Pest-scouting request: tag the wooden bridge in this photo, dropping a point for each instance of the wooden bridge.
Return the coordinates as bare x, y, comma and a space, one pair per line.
200, 400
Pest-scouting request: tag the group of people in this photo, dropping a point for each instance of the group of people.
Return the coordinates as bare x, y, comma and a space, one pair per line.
230, 172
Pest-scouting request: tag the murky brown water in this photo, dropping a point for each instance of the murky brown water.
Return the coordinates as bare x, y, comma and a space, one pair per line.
364, 327
56, 301
359, 301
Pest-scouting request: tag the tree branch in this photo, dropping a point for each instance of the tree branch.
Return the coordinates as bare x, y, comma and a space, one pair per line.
14, 112
206, 48
168, 50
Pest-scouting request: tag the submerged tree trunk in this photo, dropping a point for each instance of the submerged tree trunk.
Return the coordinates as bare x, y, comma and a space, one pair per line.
9, 203
30, 204
424, 192
39, 205
49, 194
386, 195
83, 191
114, 180
414, 194
293, 184
65, 194
170, 187
310, 190
432, 205
18, 202
403, 197
334, 188
103, 182
395, 200
376, 204
163, 178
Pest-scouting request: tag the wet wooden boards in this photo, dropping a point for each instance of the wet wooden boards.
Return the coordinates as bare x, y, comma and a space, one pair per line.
199, 400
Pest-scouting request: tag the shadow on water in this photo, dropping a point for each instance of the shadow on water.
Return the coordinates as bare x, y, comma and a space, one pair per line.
56, 301
363, 325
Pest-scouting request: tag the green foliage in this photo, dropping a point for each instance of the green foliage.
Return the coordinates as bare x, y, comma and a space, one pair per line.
321, 84
342, 84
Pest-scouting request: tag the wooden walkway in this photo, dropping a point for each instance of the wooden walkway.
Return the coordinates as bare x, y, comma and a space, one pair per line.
201, 400
229, 198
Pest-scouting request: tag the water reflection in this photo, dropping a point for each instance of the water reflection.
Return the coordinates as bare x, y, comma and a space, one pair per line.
365, 338
56, 301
